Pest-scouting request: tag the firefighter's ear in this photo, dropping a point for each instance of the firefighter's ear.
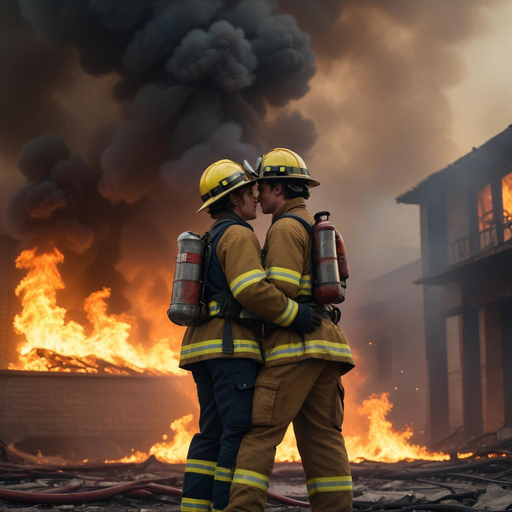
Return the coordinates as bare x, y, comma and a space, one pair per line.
278, 189
234, 198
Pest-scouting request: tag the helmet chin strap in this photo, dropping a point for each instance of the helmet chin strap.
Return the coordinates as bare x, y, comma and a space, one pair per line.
295, 188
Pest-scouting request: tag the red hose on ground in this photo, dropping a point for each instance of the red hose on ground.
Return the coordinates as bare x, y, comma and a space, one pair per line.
70, 499
287, 501
102, 494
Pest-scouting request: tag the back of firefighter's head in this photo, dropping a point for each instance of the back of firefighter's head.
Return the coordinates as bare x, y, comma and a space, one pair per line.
282, 175
228, 186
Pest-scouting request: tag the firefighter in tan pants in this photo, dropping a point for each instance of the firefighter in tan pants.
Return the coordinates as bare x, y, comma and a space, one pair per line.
300, 381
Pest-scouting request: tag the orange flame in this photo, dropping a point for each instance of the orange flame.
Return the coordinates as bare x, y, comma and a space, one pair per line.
383, 443
171, 452
44, 325
506, 184
47, 331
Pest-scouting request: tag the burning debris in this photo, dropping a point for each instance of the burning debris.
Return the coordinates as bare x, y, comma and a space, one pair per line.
52, 339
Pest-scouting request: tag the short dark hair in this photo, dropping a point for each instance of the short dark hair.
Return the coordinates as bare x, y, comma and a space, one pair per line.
292, 188
225, 204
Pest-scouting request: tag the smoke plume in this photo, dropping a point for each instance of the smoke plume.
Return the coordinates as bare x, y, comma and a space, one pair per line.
198, 80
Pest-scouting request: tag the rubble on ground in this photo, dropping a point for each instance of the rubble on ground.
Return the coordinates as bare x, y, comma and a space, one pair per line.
480, 482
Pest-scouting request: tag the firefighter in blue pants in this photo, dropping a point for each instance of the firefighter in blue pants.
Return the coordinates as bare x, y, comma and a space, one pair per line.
223, 353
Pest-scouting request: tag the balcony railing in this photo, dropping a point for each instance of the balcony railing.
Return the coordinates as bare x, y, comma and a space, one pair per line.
480, 242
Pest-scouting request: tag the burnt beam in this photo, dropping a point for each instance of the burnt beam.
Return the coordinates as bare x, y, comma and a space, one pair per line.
506, 339
471, 373
435, 336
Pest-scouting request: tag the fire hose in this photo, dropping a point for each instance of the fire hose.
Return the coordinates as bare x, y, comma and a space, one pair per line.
146, 485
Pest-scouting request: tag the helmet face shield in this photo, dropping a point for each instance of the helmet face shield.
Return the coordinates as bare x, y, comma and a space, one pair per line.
258, 164
251, 173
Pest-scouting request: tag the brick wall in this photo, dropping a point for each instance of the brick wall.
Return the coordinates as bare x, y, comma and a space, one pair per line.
89, 416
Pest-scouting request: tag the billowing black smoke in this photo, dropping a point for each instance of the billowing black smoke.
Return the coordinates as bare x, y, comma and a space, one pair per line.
199, 80
192, 73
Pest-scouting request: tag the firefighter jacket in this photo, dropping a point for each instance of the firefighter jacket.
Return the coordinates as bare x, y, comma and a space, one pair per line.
238, 252
288, 263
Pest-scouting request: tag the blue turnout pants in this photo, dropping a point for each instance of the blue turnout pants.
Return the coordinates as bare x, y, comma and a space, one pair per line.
225, 388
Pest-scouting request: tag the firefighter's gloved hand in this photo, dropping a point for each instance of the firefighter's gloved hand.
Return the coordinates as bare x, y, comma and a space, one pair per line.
307, 319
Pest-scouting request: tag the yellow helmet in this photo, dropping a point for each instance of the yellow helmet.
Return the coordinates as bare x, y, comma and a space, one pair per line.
221, 178
281, 163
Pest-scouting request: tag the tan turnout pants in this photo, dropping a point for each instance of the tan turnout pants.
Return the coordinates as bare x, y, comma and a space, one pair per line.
310, 394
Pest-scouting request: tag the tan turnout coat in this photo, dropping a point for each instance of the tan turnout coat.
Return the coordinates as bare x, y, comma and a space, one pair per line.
288, 265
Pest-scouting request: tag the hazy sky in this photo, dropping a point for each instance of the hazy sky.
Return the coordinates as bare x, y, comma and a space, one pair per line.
439, 120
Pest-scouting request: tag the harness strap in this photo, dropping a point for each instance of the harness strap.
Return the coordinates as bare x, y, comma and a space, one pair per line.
304, 222
228, 306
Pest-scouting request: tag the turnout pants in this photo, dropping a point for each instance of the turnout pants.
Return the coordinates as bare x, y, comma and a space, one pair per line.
225, 389
310, 394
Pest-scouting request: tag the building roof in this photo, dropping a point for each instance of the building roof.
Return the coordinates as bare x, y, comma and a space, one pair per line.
495, 150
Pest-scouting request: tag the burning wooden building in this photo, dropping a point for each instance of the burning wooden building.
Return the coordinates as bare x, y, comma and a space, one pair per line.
466, 243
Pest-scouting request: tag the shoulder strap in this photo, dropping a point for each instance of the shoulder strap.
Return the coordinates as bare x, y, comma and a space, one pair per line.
304, 222
219, 226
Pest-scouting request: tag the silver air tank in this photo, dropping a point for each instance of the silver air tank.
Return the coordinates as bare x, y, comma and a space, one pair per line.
186, 307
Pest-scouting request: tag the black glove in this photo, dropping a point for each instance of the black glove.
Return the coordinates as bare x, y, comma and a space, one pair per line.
307, 319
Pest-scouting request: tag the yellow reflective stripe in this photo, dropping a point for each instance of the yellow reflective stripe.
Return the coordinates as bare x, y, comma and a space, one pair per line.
309, 347
246, 477
223, 474
288, 315
242, 282
215, 347
193, 505
213, 308
329, 484
284, 274
306, 286
203, 467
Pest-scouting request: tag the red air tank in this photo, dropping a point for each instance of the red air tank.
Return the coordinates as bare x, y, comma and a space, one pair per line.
328, 288
342, 263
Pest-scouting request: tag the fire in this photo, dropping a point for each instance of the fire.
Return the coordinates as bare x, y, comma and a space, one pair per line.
382, 443
171, 452
287, 450
54, 344
506, 185
485, 210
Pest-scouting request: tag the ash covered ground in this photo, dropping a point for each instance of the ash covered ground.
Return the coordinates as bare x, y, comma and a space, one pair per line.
481, 482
